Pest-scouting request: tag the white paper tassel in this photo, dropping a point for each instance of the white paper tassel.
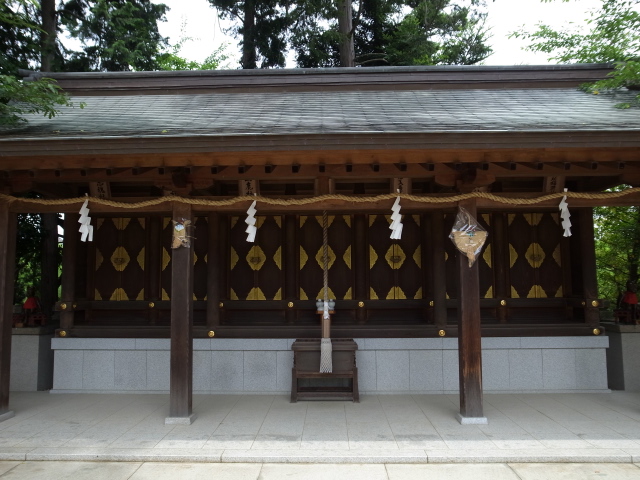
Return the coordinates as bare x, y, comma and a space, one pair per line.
564, 214
396, 221
326, 363
251, 223
86, 229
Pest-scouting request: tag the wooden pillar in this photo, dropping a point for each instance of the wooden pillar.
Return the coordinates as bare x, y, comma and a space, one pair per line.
439, 270
501, 264
213, 272
588, 260
360, 267
49, 277
181, 381
8, 227
469, 337
153, 273
290, 267
69, 255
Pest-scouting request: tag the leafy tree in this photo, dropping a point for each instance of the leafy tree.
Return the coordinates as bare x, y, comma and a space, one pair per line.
116, 35
18, 98
261, 26
20, 41
172, 60
617, 237
613, 36
391, 32
439, 32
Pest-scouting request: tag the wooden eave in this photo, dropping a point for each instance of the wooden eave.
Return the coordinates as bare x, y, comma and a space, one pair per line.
290, 80
257, 144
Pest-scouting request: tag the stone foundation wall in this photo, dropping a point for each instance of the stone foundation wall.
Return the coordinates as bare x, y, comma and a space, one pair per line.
401, 365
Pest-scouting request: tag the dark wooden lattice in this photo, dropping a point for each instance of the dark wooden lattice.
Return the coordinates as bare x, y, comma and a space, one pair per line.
311, 260
256, 268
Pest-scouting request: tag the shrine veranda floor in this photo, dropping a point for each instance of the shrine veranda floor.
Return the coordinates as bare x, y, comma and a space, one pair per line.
529, 428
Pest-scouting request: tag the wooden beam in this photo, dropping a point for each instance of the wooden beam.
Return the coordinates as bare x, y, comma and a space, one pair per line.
360, 266
290, 267
68, 287
154, 262
439, 270
213, 272
588, 262
181, 384
469, 337
501, 263
8, 227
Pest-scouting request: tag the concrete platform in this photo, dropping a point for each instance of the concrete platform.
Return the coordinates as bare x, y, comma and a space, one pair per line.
257, 471
382, 429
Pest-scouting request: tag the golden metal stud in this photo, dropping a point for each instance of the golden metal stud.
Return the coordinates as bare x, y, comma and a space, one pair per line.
597, 331
361, 304
211, 333
595, 303
75, 305
290, 304
62, 333
442, 333
431, 303
503, 303
221, 304
63, 306
151, 304
584, 303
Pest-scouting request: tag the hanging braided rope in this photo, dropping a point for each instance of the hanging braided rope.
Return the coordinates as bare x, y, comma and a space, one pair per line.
323, 198
326, 363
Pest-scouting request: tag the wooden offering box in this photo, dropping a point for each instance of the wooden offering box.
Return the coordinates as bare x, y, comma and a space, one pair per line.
308, 382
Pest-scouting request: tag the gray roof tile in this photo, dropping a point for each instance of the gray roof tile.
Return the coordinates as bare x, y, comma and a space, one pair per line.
309, 113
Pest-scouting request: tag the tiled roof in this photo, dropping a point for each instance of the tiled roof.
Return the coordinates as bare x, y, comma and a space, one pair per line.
327, 112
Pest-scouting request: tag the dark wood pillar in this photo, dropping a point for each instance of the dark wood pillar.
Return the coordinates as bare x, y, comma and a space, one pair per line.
439, 270
213, 272
8, 226
181, 381
69, 255
290, 267
501, 264
588, 260
469, 336
49, 277
152, 275
360, 267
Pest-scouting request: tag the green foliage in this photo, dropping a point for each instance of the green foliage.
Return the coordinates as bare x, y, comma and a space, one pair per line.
261, 26
439, 33
116, 35
171, 59
18, 98
613, 36
617, 237
19, 36
28, 255
385, 32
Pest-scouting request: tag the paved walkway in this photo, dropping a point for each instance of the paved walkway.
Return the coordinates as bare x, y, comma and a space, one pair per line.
267, 429
279, 471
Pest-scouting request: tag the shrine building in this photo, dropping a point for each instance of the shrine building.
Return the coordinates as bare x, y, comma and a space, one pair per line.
219, 314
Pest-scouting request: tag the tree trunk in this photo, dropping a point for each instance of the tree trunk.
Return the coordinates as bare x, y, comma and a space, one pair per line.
345, 26
249, 60
48, 36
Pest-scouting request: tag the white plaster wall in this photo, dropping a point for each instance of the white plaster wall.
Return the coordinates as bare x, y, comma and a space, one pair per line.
400, 365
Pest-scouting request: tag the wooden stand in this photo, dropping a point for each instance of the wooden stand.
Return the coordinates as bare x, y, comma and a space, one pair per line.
306, 364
